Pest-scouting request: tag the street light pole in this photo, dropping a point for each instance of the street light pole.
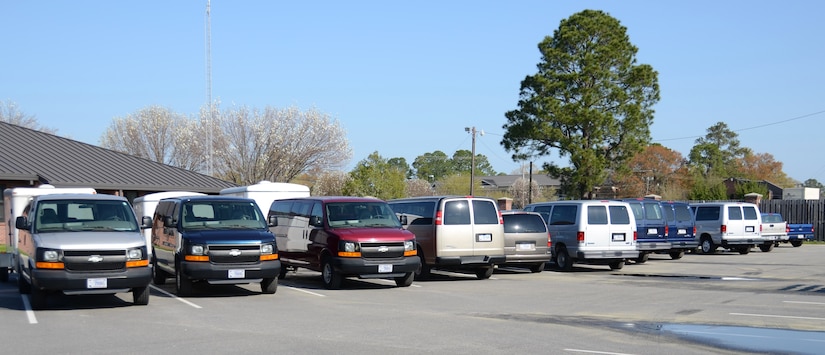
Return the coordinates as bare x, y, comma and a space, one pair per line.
472, 130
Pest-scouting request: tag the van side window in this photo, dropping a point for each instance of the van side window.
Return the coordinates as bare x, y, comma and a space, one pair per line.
637, 211
484, 212
707, 213
734, 213
596, 215
653, 211
619, 215
456, 212
750, 213
563, 215
281, 209
301, 208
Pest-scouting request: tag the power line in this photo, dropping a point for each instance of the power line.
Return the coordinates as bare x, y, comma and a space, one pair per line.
749, 128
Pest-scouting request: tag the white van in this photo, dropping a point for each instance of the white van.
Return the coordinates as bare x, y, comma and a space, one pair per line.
145, 207
734, 226
265, 192
589, 232
454, 232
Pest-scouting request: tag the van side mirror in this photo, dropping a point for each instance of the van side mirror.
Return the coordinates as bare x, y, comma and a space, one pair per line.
315, 221
21, 223
403, 219
168, 222
273, 220
146, 222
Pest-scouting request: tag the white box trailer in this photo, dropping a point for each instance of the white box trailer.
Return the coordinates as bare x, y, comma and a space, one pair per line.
14, 201
265, 192
145, 206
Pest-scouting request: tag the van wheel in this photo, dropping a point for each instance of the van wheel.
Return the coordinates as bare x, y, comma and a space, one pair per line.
484, 273
140, 296
536, 268
269, 285
406, 280
707, 246
282, 273
676, 255
183, 285
617, 265
38, 298
158, 276
767, 247
744, 250
796, 243
423, 271
642, 258
563, 260
332, 279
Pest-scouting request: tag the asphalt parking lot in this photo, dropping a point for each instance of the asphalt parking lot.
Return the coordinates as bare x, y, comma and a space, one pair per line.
724, 303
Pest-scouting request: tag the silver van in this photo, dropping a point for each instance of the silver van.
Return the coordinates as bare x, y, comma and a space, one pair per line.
731, 225
589, 232
454, 232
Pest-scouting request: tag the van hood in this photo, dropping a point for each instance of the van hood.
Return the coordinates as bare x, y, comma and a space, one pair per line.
233, 236
90, 240
374, 234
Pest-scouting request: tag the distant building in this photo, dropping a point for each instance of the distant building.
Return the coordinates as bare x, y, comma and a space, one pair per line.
505, 182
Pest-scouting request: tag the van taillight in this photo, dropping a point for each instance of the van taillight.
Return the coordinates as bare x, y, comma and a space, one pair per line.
635, 235
787, 229
580, 237
723, 229
694, 230
667, 230
500, 218
438, 218
549, 241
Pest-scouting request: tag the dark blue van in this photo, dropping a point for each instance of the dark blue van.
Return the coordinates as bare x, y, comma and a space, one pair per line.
650, 227
680, 231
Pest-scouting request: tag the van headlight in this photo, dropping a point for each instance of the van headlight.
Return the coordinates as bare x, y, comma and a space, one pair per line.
196, 250
267, 249
350, 247
134, 254
409, 245
51, 255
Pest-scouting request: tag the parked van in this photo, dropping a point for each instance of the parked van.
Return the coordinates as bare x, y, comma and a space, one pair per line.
526, 241
730, 225
213, 239
650, 227
265, 192
145, 207
454, 232
14, 201
81, 244
342, 237
590, 232
680, 230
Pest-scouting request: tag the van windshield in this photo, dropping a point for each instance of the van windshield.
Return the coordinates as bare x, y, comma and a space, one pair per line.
56, 216
222, 215
361, 214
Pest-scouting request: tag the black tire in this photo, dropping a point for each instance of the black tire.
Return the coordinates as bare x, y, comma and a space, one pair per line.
4, 274
536, 268
331, 278
643, 257
796, 243
183, 285
406, 280
269, 285
140, 296
22, 285
282, 273
676, 255
616, 265
706, 246
484, 273
563, 259
423, 271
38, 298
767, 247
744, 250
158, 276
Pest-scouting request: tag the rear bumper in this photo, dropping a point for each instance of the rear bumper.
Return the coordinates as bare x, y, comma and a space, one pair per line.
801, 237
651, 246
607, 255
472, 260
687, 244
526, 258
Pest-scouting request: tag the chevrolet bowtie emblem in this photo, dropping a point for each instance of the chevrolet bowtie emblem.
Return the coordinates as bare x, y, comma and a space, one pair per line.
95, 259
383, 249
234, 252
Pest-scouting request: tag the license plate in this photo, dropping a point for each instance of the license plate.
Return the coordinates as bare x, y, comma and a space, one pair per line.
525, 246
384, 268
484, 237
237, 274
618, 237
96, 283
682, 231
749, 229
652, 231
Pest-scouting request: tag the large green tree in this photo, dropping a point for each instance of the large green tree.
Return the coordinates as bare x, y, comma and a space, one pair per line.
717, 152
436, 164
590, 101
463, 160
376, 177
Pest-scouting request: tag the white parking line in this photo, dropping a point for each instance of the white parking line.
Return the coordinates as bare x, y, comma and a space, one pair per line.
594, 352
774, 316
175, 297
28, 308
305, 291
801, 302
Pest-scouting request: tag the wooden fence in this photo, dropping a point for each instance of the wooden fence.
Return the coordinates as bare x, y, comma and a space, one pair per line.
799, 211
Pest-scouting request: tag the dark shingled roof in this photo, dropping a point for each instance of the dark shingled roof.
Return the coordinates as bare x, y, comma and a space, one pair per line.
27, 154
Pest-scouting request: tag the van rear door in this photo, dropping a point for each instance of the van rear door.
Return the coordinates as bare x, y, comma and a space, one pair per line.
488, 231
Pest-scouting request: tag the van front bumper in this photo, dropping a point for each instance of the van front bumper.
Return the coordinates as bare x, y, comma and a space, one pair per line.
376, 268
230, 273
86, 282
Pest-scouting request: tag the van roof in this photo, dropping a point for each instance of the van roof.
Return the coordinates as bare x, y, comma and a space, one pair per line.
436, 198
76, 196
268, 186
333, 199
208, 198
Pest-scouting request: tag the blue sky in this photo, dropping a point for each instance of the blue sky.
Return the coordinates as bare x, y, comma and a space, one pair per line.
406, 78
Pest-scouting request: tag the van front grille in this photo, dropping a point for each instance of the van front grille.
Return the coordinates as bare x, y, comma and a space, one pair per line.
234, 254
386, 250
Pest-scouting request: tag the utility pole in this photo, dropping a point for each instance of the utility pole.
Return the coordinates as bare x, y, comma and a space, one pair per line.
472, 130
211, 118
